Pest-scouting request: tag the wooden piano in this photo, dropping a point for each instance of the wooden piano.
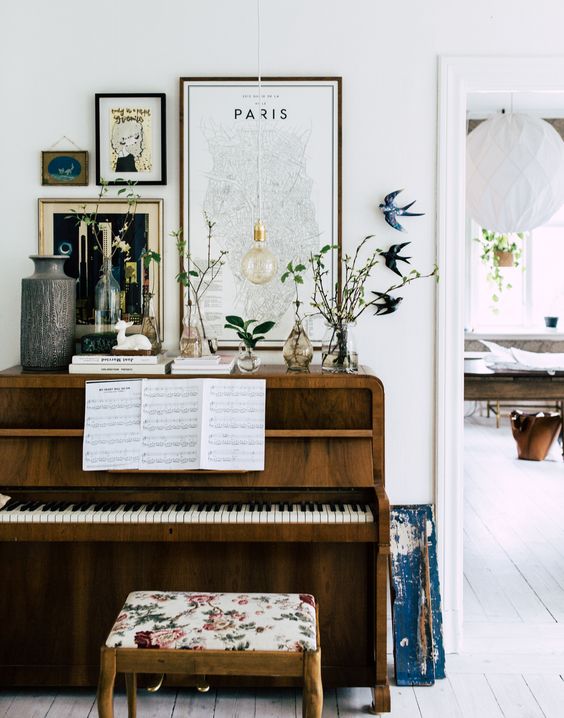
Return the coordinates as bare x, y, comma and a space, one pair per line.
73, 544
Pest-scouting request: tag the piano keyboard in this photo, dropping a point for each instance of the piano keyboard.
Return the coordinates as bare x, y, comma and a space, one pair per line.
60, 512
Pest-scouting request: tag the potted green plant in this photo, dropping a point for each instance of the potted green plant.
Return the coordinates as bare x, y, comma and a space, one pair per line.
247, 360
499, 251
298, 349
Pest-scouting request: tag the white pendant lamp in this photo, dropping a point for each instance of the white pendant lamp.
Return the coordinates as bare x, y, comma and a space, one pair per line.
514, 173
259, 265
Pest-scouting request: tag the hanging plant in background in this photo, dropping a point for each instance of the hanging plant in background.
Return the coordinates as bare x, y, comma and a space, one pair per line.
500, 251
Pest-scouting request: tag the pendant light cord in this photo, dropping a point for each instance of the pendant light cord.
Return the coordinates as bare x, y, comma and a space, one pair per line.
259, 134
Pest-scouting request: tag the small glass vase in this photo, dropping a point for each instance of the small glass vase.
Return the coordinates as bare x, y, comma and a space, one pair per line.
106, 299
247, 361
298, 349
338, 350
149, 324
190, 340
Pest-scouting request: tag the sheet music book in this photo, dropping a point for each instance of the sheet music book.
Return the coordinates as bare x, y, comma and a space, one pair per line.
157, 425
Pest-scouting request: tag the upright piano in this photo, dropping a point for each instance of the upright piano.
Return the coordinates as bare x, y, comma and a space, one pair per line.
73, 544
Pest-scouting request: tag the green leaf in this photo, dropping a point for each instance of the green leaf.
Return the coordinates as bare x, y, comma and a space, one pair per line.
263, 328
256, 339
248, 323
289, 267
298, 279
284, 277
237, 321
300, 268
325, 249
193, 273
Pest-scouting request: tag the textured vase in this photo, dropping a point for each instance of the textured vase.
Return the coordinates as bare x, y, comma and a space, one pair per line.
48, 315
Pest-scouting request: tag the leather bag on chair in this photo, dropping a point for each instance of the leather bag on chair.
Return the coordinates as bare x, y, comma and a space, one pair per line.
534, 433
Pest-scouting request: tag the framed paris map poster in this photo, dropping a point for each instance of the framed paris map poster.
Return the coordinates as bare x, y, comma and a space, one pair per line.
300, 158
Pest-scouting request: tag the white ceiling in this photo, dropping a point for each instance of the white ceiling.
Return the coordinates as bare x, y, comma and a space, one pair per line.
539, 104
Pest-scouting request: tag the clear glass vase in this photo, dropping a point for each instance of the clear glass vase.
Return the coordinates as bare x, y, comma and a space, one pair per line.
106, 299
150, 325
190, 339
298, 349
247, 361
338, 349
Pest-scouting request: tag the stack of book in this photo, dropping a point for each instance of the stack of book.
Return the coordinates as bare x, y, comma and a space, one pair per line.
213, 364
110, 364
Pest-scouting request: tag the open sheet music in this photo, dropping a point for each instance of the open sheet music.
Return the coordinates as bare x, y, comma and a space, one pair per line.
153, 425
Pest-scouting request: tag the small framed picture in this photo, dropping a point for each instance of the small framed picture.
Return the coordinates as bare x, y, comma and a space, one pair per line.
131, 138
64, 167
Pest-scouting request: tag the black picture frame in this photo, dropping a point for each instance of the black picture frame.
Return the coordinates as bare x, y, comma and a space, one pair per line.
131, 138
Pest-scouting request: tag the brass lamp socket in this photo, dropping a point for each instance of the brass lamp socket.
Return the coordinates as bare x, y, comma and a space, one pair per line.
260, 232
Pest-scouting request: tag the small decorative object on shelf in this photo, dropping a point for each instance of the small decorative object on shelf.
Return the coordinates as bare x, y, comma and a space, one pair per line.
132, 344
248, 361
99, 343
197, 276
338, 349
47, 315
106, 298
298, 349
149, 322
190, 339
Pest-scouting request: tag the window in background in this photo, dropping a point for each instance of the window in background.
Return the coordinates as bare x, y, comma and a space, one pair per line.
537, 284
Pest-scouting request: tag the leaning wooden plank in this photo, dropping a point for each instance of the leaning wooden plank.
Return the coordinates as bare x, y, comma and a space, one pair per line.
436, 612
410, 585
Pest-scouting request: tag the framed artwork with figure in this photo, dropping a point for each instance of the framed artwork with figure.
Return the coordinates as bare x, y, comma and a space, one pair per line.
131, 138
300, 161
63, 231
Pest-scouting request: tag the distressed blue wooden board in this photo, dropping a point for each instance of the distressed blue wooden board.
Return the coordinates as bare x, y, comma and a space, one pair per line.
436, 610
418, 646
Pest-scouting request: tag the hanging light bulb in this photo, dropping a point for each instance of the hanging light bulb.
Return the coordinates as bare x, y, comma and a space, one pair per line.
259, 265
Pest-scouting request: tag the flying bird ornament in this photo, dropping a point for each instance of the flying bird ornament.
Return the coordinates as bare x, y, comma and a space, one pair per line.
392, 257
392, 211
385, 303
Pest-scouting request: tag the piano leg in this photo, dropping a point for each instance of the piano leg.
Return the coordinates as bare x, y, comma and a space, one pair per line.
105, 696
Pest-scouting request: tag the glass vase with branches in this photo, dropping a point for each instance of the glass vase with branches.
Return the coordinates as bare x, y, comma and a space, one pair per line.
197, 276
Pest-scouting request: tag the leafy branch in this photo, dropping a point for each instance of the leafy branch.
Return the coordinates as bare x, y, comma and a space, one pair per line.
91, 220
296, 272
198, 277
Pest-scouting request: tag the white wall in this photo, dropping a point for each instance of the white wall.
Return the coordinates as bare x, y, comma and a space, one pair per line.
55, 55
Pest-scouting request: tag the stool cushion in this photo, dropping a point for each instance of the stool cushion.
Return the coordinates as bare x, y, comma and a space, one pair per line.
216, 621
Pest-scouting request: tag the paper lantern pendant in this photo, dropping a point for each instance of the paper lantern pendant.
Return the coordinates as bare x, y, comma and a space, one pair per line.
514, 173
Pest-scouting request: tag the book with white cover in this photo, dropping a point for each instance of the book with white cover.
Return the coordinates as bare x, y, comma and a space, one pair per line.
185, 424
199, 361
111, 359
225, 366
162, 367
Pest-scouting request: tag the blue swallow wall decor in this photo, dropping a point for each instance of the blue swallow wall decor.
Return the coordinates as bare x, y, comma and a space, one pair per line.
392, 211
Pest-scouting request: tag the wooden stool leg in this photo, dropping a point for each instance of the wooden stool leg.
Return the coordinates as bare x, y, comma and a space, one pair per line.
131, 690
313, 689
106, 682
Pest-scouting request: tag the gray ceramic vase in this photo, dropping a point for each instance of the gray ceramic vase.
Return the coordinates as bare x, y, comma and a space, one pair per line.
48, 315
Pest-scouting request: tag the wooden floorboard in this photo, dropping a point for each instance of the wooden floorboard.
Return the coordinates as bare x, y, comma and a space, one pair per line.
513, 658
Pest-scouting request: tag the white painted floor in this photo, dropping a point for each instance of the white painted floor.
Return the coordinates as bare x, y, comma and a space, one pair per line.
513, 660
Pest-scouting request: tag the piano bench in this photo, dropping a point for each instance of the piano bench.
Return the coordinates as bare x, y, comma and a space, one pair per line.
201, 634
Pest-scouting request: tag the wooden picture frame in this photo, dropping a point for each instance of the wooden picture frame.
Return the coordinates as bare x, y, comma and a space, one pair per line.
301, 162
61, 233
66, 168
131, 138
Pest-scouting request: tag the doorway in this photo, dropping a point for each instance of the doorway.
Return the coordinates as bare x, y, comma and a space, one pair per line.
459, 76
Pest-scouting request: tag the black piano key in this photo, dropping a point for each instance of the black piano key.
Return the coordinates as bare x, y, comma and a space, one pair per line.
12, 504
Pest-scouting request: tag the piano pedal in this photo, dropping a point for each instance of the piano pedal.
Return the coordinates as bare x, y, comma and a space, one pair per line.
202, 685
155, 687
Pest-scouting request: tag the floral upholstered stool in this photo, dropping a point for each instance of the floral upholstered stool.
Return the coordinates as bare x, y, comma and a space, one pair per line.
202, 634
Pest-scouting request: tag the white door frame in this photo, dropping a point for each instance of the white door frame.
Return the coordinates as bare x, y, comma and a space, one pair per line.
459, 76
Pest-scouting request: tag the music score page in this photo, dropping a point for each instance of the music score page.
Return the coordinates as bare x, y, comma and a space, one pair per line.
179, 424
